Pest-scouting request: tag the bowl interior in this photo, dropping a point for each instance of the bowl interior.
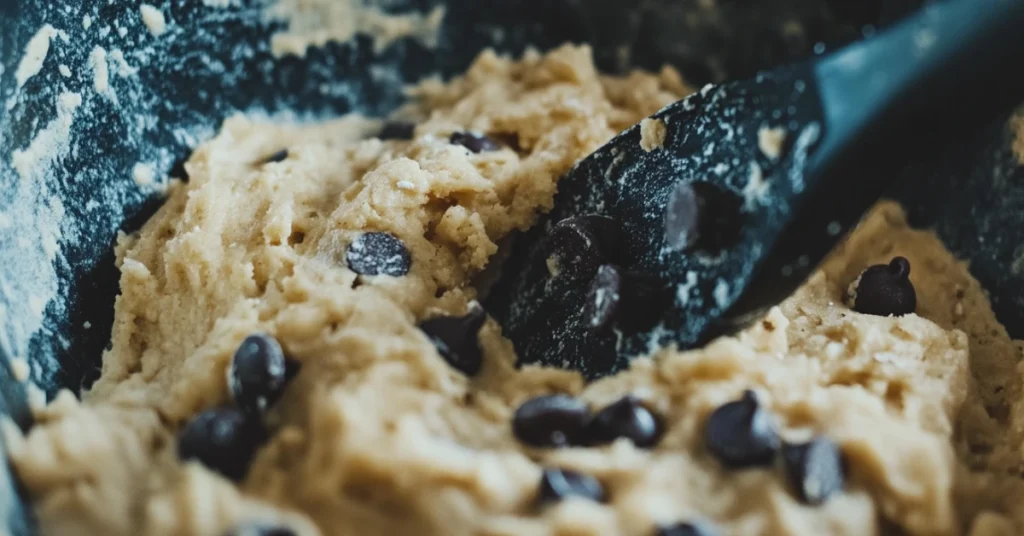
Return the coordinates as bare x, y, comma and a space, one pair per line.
62, 210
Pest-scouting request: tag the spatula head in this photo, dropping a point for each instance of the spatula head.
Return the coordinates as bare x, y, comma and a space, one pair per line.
725, 201
655, 235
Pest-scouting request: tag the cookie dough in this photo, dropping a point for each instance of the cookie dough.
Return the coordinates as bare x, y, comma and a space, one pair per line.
378, 434
313, 23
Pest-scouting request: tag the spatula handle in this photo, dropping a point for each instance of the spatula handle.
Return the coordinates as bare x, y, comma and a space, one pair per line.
941, 76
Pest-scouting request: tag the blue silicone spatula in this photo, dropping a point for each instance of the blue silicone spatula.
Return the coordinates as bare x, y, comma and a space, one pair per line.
696, 221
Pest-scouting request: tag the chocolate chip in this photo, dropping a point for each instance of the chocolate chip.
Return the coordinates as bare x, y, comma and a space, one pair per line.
741, 434
223, 439
686, 529
279, 156
397, 130
603, 299
629, 301
261, 529
258, 373
476, 143
701, 216
558, 484
628, 418
816, 470
550, 421
577, 246
378, 254
884, 290
455, 338
291, 369
508, 139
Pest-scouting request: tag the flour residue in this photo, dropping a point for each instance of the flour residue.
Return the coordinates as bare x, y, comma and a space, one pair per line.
756, 189
35, 54
313, 23
143, 174
100, 72
123, 68
35, 214
154, 19
51, 142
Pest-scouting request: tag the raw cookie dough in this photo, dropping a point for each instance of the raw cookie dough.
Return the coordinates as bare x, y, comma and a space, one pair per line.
378, 435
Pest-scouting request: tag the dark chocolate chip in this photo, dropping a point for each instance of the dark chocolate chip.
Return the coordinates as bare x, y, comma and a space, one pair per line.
508, 139
686, 529
455, 338
630, 301
397, 130
550, 421
884, 290
378, 254
816, 470
223, 439
701, 216
629, 418
291, 369
577, 246
258, 373
261, 529
742, 434
558, 484
279, 156
603, 299
476, 143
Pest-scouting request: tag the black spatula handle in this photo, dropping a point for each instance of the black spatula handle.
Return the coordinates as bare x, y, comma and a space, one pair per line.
938, 78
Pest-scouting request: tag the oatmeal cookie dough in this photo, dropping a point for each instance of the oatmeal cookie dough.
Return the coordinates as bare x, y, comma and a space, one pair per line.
378, 434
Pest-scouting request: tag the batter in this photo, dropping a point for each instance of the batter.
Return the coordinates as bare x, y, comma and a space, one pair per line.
342, 266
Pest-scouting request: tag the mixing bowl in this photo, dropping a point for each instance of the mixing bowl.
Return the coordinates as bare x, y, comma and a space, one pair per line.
84, 149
